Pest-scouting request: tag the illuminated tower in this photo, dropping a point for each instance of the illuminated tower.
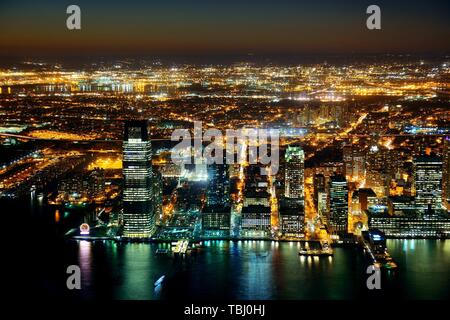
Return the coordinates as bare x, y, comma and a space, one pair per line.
354, 163
446, 172
428, 182
218, 192
138, 213
157, 192
319, 186
216, 215
338, 204
294, 172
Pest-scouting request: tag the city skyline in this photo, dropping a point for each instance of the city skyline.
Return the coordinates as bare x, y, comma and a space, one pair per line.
200, 152
353, 174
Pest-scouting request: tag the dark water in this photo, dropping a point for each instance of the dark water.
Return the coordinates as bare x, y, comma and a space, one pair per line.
220, 270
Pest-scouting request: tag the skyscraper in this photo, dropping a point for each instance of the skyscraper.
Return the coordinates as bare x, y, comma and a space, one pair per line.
319, 186
446, 172
354, 163
138, 213
428, 182
322, 205
338, 204
157, 194
216, 221
216, 215
218, 192
294, 172
255, 221
292, 218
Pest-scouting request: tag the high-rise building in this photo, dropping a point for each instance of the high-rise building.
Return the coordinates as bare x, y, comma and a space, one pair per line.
138, 213
216, 215
377, 161
218, 191
157, 194
216, 221
446, 173
322, 205
294, 172
319, 186
428, 182
255, 221
338, 219
292, 218
354, 163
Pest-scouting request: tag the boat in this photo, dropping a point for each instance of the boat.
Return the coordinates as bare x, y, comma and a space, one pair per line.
159, 281
161, 251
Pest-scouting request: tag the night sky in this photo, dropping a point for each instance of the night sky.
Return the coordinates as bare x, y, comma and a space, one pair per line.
134, 27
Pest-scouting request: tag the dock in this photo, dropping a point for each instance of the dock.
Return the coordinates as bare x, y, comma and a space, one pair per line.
315, 249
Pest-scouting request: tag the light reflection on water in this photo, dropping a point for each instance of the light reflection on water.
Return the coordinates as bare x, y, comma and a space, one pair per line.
85, 262
262, 270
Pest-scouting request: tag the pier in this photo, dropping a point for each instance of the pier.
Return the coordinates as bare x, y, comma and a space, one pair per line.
315, 248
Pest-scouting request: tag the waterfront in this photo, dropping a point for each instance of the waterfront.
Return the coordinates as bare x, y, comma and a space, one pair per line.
247, 270
219, 270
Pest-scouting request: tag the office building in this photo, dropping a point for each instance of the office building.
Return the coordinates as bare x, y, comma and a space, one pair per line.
319, 186
255, 221
428, 182
292, 218
338, 194
218, 190
216, 221
138, 212
446, 173
294, 172
354, 164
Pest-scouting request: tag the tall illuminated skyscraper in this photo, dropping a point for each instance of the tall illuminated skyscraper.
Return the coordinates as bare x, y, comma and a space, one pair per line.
294, 172
446, 172
216, 215
428, 182
354, 163
218, 192
319, 186
338, 204
138, 213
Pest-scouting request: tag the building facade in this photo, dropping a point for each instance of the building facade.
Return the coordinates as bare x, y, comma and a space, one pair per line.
294, 172
138, 213
428, 182
218, 191
216, 221
338, 217
446, 173
255, 221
